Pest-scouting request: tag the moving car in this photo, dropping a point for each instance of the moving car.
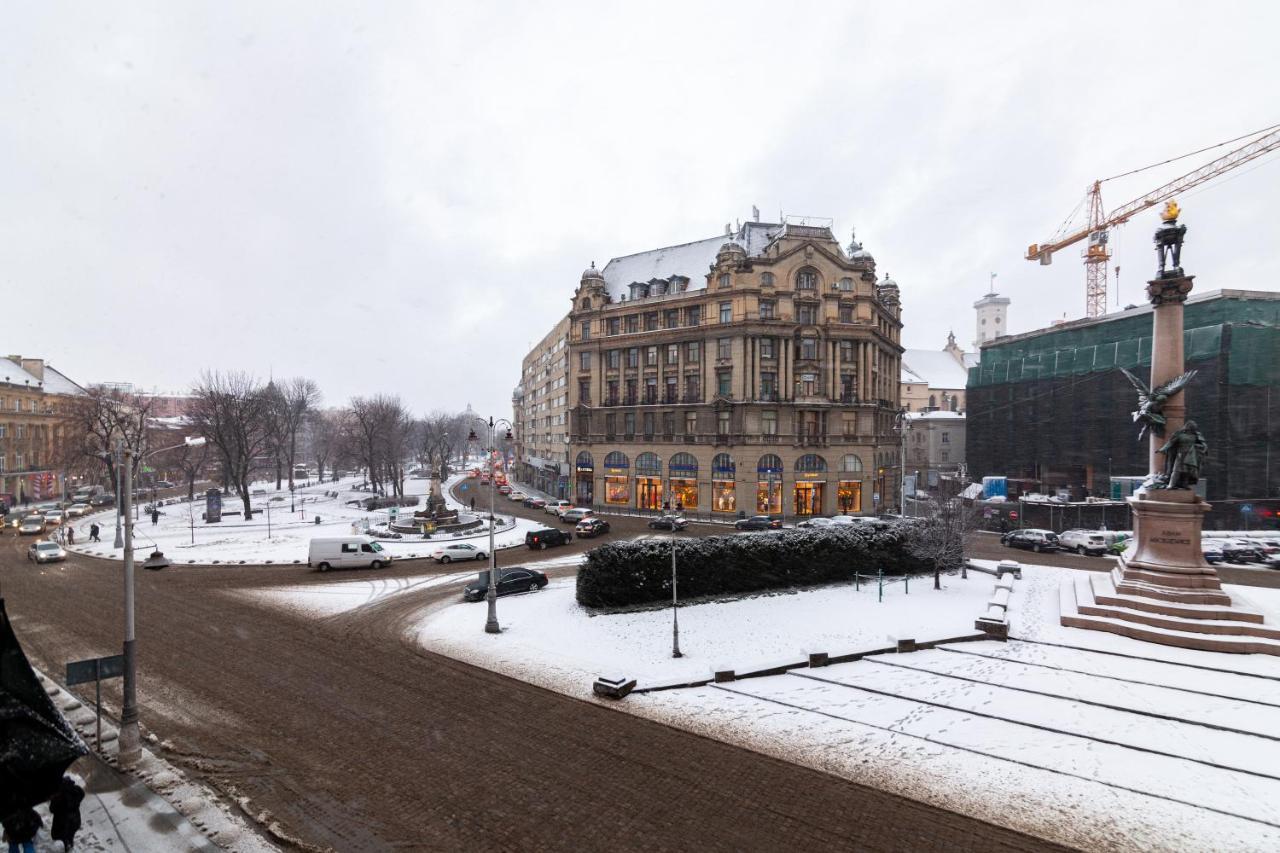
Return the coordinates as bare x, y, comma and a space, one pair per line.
514, 495
1032, 539
45, 551
758, 522
668, 522
346, 552
504, 489
514, 579
31, 525
557, 507
591, 527
534, 503
1084, 542
547, 537
576, 514
54, 516
78, 509
165, 484
104, 499
457, 551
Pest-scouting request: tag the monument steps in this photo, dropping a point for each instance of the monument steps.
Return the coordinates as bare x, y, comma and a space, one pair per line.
1076, 602
1140, 597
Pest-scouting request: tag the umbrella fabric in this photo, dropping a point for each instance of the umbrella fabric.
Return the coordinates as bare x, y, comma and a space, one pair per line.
37, 744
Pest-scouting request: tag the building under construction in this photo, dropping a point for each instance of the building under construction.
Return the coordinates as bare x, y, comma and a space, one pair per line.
1051, 409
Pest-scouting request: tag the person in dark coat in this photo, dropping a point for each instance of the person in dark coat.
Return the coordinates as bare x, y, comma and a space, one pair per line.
64, 805
94, 530
20, 830
155, 516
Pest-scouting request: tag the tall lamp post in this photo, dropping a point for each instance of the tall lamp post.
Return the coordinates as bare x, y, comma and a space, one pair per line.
491, 622
675, 604
130, 740
901, 422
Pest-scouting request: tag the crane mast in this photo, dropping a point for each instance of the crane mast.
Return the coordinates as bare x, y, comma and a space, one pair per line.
1098, 223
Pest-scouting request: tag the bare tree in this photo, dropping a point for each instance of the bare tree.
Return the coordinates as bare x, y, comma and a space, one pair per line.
377, 431
231, 411
939, 533
324, 433
438, 437
297, 398
97, 421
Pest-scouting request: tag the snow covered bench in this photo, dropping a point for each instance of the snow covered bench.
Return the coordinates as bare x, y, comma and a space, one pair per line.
1008, 567
1001, 598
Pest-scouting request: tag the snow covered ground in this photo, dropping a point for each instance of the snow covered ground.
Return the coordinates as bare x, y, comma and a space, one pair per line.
186, 539
1084, 738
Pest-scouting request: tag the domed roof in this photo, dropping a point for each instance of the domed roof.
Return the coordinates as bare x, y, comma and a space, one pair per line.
887, 282
732, 247
592, 272
856, 252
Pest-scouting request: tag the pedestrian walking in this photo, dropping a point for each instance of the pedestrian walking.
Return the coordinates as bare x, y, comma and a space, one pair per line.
473, 504
94, 530
155, 515
679, 506
20, 830
64, 805
71, 535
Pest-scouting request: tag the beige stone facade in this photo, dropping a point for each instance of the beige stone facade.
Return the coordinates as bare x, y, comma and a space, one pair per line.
752, 373
541, 408
33, 401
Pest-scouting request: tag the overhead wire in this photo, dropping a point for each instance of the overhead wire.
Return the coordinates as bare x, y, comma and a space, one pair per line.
1191, 154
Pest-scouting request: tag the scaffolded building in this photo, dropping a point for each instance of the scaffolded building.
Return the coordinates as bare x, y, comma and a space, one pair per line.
1052, 409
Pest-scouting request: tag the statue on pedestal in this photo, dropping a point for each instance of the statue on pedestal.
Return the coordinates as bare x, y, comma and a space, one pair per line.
1168, 240
1183, 454
1150, 411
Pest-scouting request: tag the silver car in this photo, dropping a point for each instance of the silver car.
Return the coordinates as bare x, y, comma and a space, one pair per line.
45, 551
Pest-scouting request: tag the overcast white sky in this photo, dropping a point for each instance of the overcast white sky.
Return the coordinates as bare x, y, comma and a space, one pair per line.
401, 197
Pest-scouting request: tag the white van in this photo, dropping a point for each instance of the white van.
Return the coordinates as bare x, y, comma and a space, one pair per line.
346, 552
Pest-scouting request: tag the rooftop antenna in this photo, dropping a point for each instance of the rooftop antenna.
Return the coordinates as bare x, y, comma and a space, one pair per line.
991, 289
755, 213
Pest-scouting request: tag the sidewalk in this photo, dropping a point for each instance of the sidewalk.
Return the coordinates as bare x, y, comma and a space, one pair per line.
123, 811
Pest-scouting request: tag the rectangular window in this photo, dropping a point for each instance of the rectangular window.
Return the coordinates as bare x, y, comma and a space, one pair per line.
724, 348
768, 309
693, 315
648, 424
610, 425
629, 424
846, 351
671, 390
584, 392
586, 330
946, 438
768, 385
673, 353
633, 322
769, 423
614, 326
614, 359
806, 314
672, 318
691, 423
722, 423
584, 361
651, 389
848, 388
846, 313
651, 357
766, 348
669, 423
809, 349
17, 461
21, 430
692, 389
651, 321
726, 312
724, 379
611, 393
806, 280
633, 357
631, 392
693, 352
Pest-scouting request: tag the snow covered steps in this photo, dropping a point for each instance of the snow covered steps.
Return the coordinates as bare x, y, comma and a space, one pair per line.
1091, 602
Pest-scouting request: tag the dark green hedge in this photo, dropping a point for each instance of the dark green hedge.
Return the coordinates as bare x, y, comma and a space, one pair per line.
620, 574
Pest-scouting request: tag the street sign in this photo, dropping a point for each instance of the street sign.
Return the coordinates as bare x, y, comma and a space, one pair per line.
465, 486
1246, 508
212, 506
1013, 514
95, 669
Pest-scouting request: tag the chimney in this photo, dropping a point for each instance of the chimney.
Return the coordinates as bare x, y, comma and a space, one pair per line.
34, 366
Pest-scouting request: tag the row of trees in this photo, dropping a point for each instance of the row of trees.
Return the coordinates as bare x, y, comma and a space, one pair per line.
251, 429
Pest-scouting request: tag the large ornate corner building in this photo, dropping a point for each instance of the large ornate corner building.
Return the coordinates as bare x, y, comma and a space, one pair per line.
755, 372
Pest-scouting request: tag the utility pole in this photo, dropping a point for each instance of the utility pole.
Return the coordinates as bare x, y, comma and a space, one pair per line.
119, 491
675, 603
130, 743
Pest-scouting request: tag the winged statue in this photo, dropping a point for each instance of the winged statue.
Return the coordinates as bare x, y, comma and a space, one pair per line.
1150, 411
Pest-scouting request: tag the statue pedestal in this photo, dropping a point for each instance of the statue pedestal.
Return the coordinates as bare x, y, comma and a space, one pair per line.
1166, 533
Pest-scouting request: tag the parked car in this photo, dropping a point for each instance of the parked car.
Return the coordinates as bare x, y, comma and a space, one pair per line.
547, 537
31, 525
45, 551
758, 522
591, 527
103, 499
1090, 542
1212, 550
163, 484
576, 514
535, 503
514, 495
557, 507
668, 522
54, 516
514, 579
458, 551
1032, 539
1242, 551
817, 523
346, 552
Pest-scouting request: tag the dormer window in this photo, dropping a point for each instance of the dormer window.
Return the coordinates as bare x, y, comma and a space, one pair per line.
807, 279
639, 290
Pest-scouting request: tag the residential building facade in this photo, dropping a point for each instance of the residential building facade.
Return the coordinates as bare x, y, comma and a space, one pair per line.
755, 372
33, 400
935, 449
541, 407
934, 380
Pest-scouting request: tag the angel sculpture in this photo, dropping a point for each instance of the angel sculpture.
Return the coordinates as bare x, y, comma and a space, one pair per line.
1151, 401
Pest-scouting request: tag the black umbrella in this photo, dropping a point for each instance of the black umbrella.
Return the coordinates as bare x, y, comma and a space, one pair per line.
37, 744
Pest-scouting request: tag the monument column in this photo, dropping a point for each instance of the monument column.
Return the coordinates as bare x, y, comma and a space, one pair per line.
1167, 296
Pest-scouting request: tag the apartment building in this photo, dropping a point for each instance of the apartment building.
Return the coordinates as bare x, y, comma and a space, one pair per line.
33, 401
755, 372
541, 407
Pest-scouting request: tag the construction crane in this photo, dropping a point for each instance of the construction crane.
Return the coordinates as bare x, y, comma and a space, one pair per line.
1096, 231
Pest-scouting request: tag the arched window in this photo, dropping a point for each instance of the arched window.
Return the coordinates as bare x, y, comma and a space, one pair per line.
933, 401
684, 464
954, 404
769, 464
807, 279
617, 459
584, 462
846, 284
649, 465
766, 279
722, 466
851, 463
810, 462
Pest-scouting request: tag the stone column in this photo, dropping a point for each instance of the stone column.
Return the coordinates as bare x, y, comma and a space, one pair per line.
1167, 296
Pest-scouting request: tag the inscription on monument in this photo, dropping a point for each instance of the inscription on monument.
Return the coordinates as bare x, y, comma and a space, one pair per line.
1171, 537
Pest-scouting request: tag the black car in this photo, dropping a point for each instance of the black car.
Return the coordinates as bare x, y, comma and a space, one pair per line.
1032, 540
1242, 552
102, 500
592, 526
668, 522
514, 579
758, 522
547, 537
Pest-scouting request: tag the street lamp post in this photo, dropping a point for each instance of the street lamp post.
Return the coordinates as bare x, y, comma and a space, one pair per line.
491, 625
901, 419
675, 604
119, 490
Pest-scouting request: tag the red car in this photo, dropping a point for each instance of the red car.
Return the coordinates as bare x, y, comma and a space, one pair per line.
504, 490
